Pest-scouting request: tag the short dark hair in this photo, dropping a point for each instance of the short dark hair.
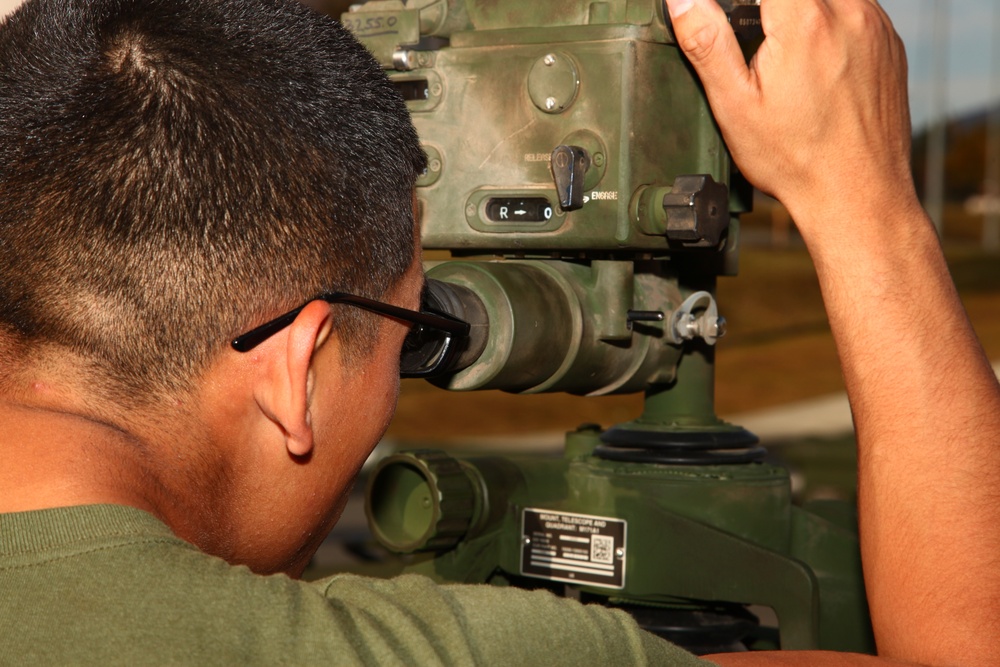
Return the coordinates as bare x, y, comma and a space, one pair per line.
174, 172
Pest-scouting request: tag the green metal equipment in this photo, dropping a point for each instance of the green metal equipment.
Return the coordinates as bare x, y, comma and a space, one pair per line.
588, 201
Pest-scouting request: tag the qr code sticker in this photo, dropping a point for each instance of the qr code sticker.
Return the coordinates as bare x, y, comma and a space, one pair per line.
602, 549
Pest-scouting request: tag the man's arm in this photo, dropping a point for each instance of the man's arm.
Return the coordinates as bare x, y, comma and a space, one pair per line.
820, 121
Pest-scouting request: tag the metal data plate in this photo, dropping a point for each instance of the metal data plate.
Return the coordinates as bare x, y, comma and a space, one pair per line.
575, 548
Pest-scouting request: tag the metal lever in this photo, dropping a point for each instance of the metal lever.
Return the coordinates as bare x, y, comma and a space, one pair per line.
569, 167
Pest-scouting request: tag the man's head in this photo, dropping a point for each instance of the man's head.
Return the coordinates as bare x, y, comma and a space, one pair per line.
172, 174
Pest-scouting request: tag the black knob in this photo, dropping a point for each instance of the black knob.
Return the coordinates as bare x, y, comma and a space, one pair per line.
697, 211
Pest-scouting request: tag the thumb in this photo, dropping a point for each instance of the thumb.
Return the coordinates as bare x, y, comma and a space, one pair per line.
703, 33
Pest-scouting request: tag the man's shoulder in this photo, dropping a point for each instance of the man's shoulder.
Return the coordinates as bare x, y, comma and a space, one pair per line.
114, 582
112, 585
122, 544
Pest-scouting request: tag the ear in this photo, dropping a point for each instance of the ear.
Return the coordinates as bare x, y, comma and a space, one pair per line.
287, 397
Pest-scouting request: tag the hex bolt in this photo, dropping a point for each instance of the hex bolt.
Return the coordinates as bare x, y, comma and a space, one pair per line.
687, 327
697, 211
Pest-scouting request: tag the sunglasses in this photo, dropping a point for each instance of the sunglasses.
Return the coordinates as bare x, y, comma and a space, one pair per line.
427, 351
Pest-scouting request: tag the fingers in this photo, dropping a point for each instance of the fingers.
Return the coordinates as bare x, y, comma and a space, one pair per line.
704, 34
821, 108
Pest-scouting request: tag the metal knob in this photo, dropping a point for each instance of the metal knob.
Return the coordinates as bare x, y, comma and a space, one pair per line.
697, 209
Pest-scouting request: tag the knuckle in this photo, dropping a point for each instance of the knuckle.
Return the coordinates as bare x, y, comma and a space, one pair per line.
813, 18
864, 17
700, 44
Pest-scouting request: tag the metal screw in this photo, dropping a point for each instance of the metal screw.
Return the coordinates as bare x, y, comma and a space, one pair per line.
549, 60
598, 159
721, 326
436, 89
550, 103
470, 210
527, 541
619, 553
402, 60
435, 165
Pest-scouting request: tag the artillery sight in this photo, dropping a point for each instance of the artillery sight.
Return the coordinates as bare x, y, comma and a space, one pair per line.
581, 186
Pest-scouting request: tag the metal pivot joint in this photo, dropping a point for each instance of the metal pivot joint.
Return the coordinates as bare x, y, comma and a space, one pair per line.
697, 317
569, 167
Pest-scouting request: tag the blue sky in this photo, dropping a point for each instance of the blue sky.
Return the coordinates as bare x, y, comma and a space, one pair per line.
971, 26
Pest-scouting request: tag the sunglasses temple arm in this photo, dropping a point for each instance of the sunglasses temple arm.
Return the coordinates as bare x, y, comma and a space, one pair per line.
252, 339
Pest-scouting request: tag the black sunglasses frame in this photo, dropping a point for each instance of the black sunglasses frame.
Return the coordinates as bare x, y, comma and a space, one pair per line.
441, 322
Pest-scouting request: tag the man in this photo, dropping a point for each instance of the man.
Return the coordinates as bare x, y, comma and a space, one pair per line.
173, 175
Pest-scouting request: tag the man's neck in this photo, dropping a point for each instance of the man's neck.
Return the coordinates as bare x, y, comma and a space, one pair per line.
54, 458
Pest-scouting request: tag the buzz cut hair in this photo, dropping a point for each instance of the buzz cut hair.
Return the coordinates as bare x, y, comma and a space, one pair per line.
175, 172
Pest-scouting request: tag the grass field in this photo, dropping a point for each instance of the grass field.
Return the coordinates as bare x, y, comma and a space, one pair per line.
779, 348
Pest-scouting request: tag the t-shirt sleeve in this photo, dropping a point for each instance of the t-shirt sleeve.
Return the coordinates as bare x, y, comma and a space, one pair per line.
487, 625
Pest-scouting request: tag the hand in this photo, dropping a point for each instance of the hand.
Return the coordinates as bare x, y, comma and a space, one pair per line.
820, 117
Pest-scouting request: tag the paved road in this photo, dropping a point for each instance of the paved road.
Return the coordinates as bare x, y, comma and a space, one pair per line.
826, 416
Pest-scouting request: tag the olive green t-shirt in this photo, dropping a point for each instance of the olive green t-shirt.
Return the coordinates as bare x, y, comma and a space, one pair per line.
106, 584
